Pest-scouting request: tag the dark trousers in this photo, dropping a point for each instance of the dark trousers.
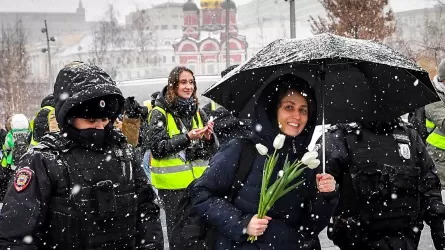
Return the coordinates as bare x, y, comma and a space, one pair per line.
385, 243
170, 199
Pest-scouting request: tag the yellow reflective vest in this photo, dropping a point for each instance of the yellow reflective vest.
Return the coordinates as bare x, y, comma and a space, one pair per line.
436, 137
174, 172
212, 105
51, 115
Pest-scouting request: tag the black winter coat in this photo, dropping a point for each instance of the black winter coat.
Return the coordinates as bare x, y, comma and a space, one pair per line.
227, 126
417, 119
297, 218
45, 180
26, 213
337, 162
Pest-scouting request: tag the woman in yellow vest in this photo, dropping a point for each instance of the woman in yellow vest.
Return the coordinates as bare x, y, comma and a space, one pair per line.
45, 120
180, 139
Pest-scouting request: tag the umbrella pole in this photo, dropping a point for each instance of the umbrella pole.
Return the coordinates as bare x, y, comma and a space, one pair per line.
322, 83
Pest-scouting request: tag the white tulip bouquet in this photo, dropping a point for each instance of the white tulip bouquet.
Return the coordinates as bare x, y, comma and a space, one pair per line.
271, 193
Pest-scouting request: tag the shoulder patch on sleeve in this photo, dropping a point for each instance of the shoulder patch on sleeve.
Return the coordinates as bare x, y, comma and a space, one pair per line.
22, 178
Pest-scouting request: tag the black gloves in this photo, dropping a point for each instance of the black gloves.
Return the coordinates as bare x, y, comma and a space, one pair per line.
134, 110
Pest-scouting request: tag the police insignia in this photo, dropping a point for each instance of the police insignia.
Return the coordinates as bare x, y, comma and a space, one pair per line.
22, 179
401, 138
404, 151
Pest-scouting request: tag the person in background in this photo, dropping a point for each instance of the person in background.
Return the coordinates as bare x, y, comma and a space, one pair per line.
14, 147
180, 139
44, 122
429, 121
228, 126
81, 188
144, 130
3, 134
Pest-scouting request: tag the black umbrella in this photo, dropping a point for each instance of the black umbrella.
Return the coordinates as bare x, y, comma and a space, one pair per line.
357, 80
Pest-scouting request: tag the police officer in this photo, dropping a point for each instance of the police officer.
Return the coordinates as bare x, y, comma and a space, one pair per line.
387, 184
44, 121
81, 188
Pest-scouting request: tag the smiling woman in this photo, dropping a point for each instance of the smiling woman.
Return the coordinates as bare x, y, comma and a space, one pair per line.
180, 138
287, 105
292, 113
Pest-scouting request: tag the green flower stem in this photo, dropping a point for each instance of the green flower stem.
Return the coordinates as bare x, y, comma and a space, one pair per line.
281, 183
287, 190
264, 180
267, 172
270, 194
295, 173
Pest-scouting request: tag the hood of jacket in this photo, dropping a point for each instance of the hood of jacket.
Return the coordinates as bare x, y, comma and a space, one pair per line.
80, 82
48, 101
162, 102
264, 122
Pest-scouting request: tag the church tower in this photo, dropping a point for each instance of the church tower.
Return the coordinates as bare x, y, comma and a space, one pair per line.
81, 10
191, 19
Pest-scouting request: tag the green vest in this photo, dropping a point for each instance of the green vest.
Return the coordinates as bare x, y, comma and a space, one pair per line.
8, 146
31, 124
436, 137
173, 172
212, 105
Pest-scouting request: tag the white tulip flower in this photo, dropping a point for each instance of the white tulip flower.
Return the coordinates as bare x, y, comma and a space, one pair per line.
314, 164
308, 157
279, 141
261, 149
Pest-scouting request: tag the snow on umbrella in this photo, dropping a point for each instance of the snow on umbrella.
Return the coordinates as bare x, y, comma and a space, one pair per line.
359, 80
354, 80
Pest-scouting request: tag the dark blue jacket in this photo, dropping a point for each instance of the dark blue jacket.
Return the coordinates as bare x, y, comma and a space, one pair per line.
297, 217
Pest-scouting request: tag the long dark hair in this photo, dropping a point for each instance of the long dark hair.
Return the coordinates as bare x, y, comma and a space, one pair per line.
173, 84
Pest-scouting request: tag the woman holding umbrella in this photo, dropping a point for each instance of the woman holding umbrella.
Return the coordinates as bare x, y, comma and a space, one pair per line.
287, 105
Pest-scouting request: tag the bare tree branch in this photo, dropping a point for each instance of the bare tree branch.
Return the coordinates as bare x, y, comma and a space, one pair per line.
371, 19
108, 41
144, 38
14, 69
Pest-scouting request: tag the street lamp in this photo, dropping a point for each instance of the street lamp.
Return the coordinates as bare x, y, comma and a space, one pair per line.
292, 18
47, 49
227, 35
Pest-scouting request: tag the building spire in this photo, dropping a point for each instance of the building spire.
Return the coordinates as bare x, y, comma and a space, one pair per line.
80, 9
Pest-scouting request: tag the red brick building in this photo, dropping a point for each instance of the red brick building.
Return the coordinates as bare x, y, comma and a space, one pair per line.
202, 47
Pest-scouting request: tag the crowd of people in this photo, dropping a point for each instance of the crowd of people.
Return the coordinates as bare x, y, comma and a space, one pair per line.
93, 169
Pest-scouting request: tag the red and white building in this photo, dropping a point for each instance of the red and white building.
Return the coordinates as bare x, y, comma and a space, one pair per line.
202, 47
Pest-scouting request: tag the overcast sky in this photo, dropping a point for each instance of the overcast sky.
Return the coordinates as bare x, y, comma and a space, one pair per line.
96, 8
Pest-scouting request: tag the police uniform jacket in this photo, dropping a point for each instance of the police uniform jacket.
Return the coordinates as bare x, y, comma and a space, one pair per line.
68, 194
400, 157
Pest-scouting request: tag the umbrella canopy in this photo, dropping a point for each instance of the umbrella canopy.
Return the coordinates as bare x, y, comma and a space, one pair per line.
357, 80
